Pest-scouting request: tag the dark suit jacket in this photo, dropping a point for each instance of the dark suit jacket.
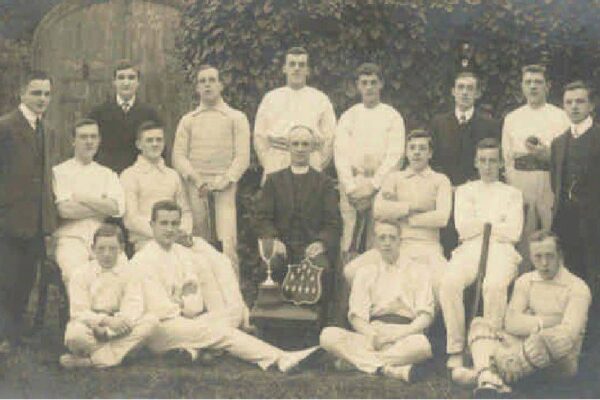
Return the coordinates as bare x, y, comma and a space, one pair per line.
26, 185
588, 188
454, 146
319, 205
118, 129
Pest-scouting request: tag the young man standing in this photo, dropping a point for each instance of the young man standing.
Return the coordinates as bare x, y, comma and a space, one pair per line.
211, 152
27, 213
478, 202
294, 104
106, 306
391, 306
173, 293
86, 194
369, 143
119, 118
526, 137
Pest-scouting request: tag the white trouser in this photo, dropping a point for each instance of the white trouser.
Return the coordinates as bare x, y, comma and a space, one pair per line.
225, 215
428, 254
349, 215
502, 264
80, 340
537, 196
205, 332
71, 253
356, 349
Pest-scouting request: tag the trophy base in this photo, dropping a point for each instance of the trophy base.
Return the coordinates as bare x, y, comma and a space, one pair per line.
269, 296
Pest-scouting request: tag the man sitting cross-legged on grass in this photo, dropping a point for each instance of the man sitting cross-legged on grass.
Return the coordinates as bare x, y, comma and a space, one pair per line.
172, 293
107, 319
391, 305
544, 325
148, 181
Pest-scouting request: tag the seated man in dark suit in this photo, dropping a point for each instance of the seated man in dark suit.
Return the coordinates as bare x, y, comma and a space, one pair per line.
455, 135
120, 117
298, 207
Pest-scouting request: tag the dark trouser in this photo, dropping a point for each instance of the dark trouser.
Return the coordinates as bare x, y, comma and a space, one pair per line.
19, 258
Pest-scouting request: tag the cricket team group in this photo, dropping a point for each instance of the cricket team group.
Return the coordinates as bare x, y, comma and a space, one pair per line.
422, 199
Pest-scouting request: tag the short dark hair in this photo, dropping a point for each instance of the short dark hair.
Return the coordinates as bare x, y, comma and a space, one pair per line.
541, 235
420, 133
126, 64
34, 75
164, 205
84, 122
467, 74
368, 69
108, 229
535, 69
578, 85
488, 143
147, 126
297, 50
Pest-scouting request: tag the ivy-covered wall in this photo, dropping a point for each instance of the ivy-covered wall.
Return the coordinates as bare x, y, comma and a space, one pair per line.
416, 42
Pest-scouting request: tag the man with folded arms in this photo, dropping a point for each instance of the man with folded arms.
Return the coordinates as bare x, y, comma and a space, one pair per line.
148, 181
544, 326
86, 194
106, 307
391, 306
478, 202
173, 294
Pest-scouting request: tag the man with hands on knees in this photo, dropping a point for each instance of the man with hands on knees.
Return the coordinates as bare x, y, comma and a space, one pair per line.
391, 306
544, 325
187, 322
107, 320
298, 207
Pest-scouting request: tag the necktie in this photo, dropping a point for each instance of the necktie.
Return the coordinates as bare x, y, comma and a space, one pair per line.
125, 106
39, 135
463, 119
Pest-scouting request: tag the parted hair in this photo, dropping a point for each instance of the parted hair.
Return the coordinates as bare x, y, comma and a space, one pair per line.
579, 85
108, 229
126, 64
420, 133
34, 75
534, 68
368, 69
467, 74
541, 235
296, 50
83, 122
147, 126
164, 205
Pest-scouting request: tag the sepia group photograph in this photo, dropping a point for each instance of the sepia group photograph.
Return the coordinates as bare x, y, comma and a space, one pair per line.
299, 199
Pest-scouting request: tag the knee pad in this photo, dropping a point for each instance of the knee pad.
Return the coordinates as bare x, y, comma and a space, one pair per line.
481, 329
556, 341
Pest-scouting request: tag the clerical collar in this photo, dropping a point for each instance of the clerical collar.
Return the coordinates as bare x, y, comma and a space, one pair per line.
29, 115
468, 114
121, 101
296, 170
582, 127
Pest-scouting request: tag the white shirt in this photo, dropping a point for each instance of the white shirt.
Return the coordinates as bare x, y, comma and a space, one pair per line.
29, 115
95, 292
144, 184
121, 102
368, 142
72, 176
477, 202
164, 274
468, 114
379, 289
579, 129
284, 107
546, 123
296, 170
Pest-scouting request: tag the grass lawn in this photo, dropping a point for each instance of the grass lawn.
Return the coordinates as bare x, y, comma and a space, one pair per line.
33, 372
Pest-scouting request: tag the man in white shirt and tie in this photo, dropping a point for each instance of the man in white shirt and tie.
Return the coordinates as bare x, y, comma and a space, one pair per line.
527, 134
86, 194
290, 105
478, 202
369, 143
